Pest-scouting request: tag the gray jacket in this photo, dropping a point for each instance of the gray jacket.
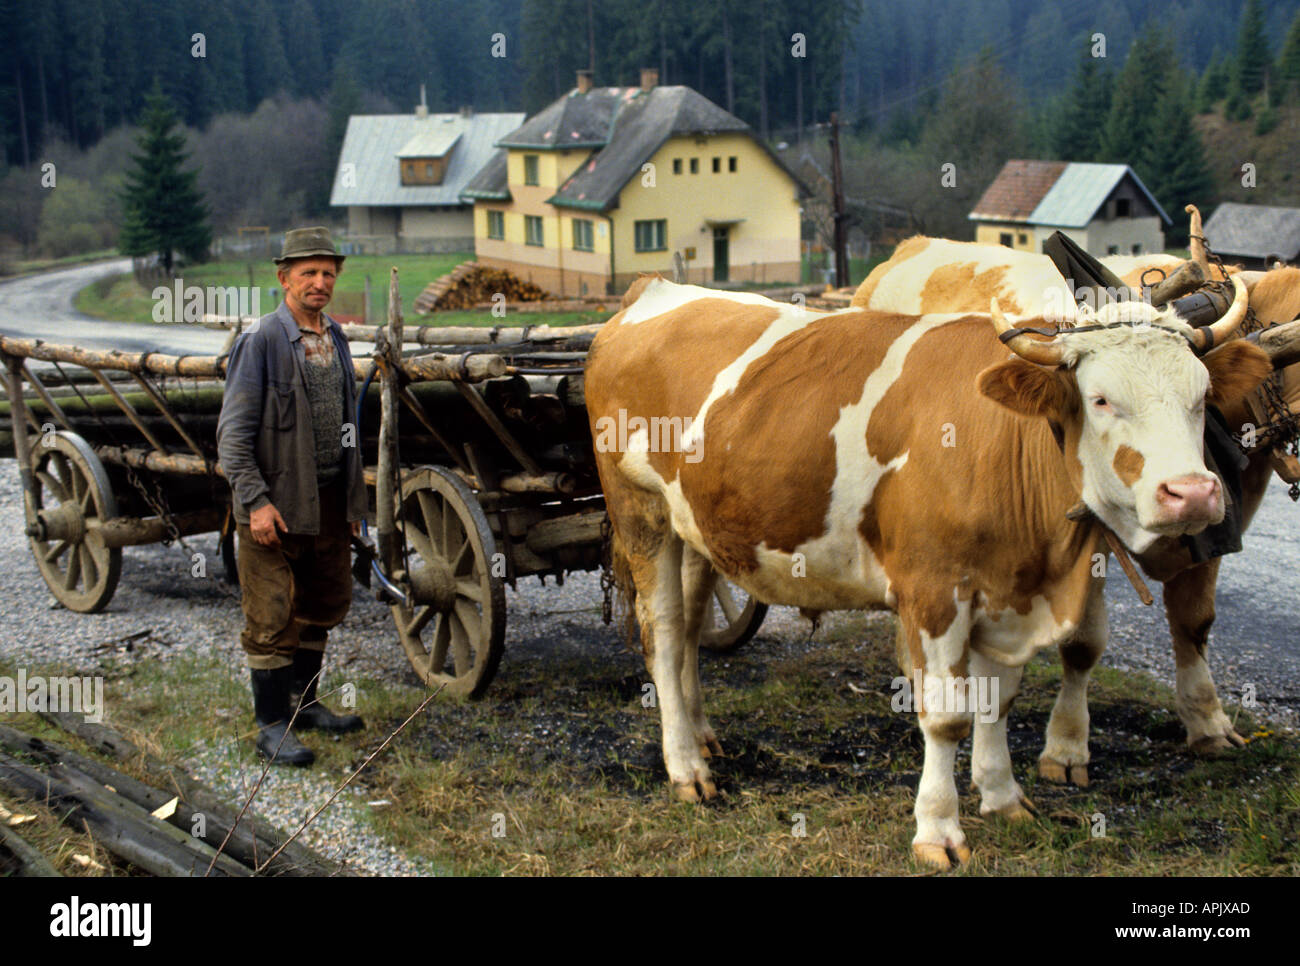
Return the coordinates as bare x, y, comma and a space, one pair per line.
264, 436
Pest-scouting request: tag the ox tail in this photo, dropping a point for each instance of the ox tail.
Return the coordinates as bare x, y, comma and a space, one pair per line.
624, 604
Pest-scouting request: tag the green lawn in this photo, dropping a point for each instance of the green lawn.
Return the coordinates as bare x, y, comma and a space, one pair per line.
121, 299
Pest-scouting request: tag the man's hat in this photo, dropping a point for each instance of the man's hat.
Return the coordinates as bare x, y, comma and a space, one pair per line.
308, 242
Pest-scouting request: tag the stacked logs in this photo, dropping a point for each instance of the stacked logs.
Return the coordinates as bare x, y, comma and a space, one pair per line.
470, 284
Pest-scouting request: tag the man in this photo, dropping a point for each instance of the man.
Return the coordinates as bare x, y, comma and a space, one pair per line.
290, 452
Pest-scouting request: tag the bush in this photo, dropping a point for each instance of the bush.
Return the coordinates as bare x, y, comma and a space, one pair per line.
1266, 121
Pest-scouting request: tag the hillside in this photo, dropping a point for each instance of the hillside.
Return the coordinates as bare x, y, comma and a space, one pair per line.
1230, 144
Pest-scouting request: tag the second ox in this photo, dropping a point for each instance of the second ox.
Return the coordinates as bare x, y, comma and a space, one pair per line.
914, 462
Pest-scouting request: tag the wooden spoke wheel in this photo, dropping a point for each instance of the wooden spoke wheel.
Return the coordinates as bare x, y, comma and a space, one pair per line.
454, 627
731, 618
73, 498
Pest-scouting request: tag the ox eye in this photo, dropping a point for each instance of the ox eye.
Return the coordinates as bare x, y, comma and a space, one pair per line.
1100, 402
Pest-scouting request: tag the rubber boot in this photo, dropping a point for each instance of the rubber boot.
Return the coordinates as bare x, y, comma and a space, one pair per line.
271, 708
312, 715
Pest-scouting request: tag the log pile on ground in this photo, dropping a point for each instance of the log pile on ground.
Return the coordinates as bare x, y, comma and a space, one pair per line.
470, 283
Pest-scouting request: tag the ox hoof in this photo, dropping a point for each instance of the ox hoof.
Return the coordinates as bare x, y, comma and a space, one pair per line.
700, 790
710, 748
1060, 773
1019, 811
1213, 746
940, 856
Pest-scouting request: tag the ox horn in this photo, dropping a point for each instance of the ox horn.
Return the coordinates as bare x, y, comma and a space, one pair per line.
1205, 339
1044, 353
1196, 239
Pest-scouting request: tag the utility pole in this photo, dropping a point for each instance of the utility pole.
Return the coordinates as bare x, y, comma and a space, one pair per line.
837, 189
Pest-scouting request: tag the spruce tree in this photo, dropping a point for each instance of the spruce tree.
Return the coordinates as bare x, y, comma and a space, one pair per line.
163, 209
1147, 75
1288, 61
1078, 130
1214, 84
1252, 50
1173, 165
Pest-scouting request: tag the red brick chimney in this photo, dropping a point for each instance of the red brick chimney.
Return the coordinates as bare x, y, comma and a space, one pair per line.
584, 81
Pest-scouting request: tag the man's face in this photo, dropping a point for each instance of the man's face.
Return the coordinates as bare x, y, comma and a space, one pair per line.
308, 283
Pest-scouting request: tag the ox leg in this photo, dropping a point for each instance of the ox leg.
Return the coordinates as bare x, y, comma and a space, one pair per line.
1189, 606
659, 607
939, 840
1065, 753
697, 589
993, 687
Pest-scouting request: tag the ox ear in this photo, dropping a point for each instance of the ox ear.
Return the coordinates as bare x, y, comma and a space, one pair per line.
1236, 368
1027, 389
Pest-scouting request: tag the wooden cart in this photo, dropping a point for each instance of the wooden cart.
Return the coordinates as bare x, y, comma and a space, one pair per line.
478, 458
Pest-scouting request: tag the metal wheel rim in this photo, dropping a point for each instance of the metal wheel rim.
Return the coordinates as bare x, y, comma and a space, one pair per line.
81, 574
459, 647
729, 622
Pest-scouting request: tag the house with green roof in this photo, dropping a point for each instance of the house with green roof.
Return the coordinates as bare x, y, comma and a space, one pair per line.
1105, 208
607, 182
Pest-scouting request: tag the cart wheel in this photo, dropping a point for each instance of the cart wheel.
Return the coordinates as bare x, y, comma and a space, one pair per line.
732, 617
454, 629
72, 497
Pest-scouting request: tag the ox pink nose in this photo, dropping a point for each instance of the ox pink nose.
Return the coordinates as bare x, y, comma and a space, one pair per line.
1189, 498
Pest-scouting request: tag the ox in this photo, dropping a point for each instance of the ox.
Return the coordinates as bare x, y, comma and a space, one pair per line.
819, 478
941, 275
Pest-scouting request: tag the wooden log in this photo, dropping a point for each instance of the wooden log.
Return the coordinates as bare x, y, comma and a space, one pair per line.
565, 531
433, 368
144, 459
296, 859
31, 863
134, 531
1281, 342
387, 358
1188, 277
564, 483
124, 835
243, 846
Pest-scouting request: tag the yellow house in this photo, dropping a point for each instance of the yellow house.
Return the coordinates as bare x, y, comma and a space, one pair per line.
608, 182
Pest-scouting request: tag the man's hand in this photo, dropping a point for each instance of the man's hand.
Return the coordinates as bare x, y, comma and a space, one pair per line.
356, 528
263, 522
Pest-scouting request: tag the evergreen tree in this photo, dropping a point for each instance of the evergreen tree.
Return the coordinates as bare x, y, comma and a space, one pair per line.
1077, 133
1252, 50
1288, 61
163, 210
1146, 77
1173, 166
1214, 84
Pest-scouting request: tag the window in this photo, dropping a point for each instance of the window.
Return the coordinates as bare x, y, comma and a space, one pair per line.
695, 165
533, 230
677, 165
1023, 239
1137, 249
583, 235
717, 165
1112, 249
1121, 207
1005, 239
731, 164
530, 170
496, 224
428, 169
651, 235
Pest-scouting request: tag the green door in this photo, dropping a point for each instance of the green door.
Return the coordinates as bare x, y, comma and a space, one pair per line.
720, 262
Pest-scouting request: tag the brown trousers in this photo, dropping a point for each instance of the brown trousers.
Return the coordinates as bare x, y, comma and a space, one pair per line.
293, 594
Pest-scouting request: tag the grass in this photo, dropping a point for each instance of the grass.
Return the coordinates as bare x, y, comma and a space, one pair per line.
120, 298
558, 770
32, 265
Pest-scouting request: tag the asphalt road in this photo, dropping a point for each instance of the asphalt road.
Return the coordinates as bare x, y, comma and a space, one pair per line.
40, 307
1256, 639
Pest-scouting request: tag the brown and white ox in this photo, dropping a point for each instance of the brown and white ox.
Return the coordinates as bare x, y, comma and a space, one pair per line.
940, 275
807, 463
